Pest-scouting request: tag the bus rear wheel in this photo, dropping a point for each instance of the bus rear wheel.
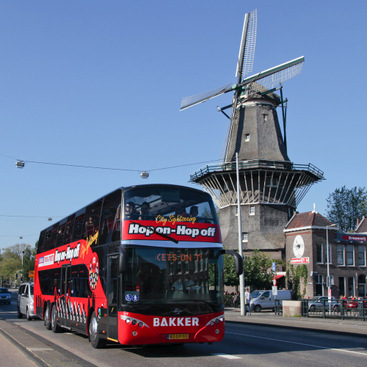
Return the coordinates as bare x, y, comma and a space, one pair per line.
94, 337
54, 326
46, 317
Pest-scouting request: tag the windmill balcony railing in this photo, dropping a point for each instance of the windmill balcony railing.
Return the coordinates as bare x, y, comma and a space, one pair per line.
257, 164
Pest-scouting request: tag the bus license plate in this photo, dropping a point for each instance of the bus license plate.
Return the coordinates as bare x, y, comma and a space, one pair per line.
177, 336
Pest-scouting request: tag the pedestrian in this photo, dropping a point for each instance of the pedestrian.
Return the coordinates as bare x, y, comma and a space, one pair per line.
235, 299
247, 300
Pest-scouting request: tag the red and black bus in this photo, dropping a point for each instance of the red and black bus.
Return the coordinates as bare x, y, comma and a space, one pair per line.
142, 265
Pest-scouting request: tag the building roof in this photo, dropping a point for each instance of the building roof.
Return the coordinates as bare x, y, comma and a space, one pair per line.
307, 220
362, 226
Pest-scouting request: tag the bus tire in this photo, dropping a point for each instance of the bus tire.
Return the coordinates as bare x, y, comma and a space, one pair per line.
54, 325
94, 337
47, 317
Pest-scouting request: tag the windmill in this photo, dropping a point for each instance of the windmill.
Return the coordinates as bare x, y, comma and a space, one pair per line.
248, 88
271, 186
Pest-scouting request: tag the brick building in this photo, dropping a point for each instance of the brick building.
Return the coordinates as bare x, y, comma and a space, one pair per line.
308, 235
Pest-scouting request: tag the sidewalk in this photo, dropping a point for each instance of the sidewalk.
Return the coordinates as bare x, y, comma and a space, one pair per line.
353, 327
23, 348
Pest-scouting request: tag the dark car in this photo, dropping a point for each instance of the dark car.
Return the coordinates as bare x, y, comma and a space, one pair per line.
5, 296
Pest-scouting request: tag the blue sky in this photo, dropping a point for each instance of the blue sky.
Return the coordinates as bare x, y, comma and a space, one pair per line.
99, 83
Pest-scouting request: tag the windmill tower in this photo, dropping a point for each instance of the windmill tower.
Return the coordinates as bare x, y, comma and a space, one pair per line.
271, 186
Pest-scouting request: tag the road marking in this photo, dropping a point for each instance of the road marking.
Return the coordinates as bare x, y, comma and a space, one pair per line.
228, 356
297, 343
39, 349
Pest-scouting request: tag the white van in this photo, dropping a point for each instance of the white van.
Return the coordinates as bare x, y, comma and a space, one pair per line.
25, 304
262, 300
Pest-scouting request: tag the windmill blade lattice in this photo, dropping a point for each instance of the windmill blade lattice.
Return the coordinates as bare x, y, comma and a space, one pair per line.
202, 97
281, 73
246, 53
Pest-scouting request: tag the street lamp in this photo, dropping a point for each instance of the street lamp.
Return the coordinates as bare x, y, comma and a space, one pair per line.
328, 283
144, 174
240, 247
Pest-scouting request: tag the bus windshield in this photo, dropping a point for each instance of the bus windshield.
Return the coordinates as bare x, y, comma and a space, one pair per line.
166, 276
167, 204
160, 213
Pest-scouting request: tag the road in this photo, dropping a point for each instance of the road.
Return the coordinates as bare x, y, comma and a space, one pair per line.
243, 345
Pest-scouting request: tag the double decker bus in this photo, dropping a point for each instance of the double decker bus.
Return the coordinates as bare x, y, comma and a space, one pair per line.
141, 265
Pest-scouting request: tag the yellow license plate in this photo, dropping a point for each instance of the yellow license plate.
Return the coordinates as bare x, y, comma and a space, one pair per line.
177, 336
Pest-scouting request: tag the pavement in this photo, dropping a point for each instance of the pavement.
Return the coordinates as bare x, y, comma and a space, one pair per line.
23, 348
356, 327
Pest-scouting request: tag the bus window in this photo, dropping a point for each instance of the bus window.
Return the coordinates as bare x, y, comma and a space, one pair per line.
78, 230
92, 218
110, 222
49, 280
41, 243
159, 203
80, 281
69, 229
61, 233
50, 240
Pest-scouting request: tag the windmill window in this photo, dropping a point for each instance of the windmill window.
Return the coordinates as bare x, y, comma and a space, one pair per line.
244, 236
265, 116
247, 137
252, 210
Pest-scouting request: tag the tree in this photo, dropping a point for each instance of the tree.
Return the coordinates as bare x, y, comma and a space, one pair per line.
10, 263
16, 258
256, 271
346, 206
230, 276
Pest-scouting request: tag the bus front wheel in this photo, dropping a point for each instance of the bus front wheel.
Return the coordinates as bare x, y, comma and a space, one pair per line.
94, 337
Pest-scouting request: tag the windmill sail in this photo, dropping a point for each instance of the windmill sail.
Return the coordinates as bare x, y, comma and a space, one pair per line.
246, 53
244, 63
202, 97
277, 74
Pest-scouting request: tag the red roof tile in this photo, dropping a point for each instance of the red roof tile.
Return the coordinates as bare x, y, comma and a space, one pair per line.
308, 219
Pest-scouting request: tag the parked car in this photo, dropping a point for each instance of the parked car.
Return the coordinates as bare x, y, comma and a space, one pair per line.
321, 303
5, 295
353, 303
25, 301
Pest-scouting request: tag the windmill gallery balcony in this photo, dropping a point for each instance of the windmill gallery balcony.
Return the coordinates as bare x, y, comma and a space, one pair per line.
261, 181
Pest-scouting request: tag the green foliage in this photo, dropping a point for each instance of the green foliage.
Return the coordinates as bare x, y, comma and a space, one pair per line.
11, 262
256, 269
230, 276
345, 206
295, 276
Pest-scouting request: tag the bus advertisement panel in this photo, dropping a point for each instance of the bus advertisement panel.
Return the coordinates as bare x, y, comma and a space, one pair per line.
142, 265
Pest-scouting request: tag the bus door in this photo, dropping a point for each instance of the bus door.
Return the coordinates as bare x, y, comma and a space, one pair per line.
113, 296
65, 293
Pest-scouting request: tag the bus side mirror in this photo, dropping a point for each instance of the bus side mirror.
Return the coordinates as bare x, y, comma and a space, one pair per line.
123, 261
237, 259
